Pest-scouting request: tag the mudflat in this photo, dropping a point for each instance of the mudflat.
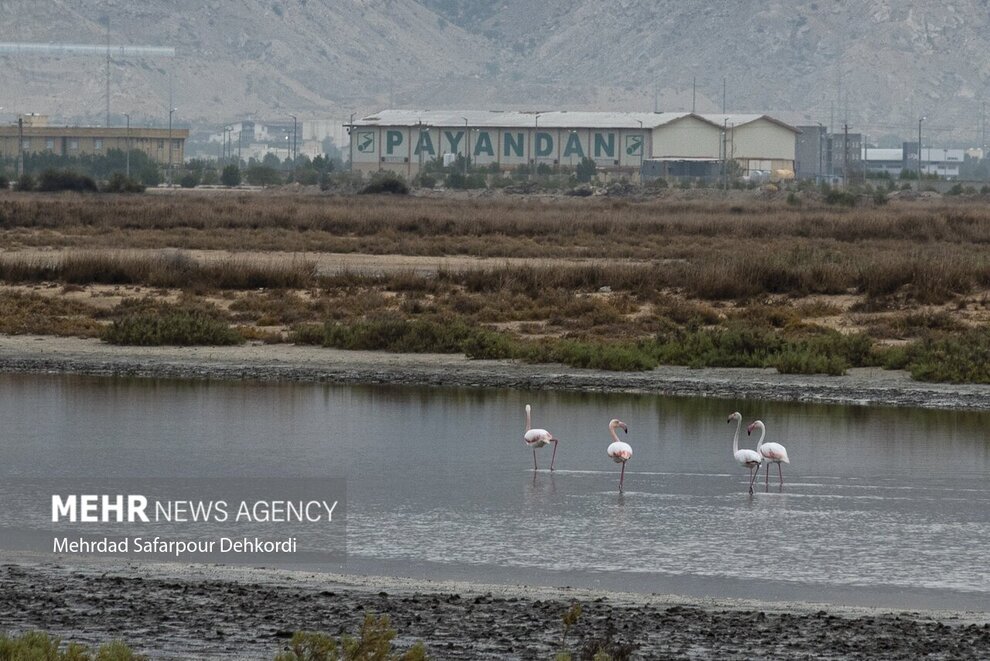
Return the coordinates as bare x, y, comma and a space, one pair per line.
188, 612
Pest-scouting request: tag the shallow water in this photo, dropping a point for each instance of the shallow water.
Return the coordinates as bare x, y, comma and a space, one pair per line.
880, 506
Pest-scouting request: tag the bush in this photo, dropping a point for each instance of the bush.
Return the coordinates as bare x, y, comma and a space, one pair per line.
170, 325
39, 646
65, 180
231, 176
840, 198
4, 181
373, 643
118, 183
189, 180
385, 183
25, 183
262, 175
961, 358
585, 170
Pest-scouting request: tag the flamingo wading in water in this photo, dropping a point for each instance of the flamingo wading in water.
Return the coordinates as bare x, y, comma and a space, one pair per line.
773, 453
537, 438
748, 458
619, 452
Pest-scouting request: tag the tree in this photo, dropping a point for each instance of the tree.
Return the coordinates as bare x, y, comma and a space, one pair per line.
261, 175
585, 170
231, 176
189, 180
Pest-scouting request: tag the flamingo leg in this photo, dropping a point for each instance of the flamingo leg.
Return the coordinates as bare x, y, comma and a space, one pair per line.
622, 475
768, 476
752, 477
534, 459
781, 474
554, 456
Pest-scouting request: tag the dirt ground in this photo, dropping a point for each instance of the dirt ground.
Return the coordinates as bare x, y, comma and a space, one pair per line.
216, 612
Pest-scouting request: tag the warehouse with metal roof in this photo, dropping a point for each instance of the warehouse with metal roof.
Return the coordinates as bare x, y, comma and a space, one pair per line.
402, 141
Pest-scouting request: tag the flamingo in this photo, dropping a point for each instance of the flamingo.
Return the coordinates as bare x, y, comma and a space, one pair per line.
774, 453
619, 451
537, 438
749, 458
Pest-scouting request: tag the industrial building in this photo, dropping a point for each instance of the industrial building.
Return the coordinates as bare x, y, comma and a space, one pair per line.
35, 135
621, 143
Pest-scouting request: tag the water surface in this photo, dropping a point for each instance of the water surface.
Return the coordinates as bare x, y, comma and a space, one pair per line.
880, 506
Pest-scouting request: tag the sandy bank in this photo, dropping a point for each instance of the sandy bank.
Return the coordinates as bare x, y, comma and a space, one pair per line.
45, 354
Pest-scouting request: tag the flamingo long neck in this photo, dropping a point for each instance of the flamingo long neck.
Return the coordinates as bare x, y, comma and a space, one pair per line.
529, 425
763, 433
735, 439
615, 437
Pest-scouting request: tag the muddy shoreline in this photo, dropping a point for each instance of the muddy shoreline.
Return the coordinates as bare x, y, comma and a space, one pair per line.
861, 386
199, 612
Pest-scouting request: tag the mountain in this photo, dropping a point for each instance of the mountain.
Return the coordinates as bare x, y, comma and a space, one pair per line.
876, 64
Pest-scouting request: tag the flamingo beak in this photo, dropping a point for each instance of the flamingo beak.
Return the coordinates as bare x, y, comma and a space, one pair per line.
625, 428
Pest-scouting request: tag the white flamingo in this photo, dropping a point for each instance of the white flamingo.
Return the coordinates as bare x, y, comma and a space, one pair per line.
749, 458
537, 438
619, 452
774, 453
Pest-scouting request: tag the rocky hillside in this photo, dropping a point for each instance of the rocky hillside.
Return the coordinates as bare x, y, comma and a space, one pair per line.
877, 63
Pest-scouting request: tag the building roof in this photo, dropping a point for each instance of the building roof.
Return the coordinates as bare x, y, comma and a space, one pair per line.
550, 119
92, 132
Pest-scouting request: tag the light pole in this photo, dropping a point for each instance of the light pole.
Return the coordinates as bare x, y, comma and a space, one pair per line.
171, 111
293, 139
920, 120
127, 158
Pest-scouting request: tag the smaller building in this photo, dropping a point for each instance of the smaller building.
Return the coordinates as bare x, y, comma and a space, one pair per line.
35, 136
941, 162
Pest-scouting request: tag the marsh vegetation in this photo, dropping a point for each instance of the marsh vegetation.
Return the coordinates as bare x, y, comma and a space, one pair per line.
603, 283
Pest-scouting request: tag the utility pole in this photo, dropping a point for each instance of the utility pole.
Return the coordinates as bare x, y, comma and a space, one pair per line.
128, 142
694, 92
723, 95
920, 119
845, 155
20, 147
170, 111
108, 71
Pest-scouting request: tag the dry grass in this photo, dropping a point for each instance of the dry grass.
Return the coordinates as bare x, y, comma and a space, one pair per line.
714, 275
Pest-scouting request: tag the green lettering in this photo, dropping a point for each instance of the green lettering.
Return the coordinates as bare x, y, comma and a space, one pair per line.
424, 144
515, 145
544, 144
484, 144
393, 139
573, 146
454, 140
603, 148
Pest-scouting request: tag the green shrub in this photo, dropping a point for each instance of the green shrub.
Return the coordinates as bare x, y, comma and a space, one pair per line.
52, 181
166, 324
39, 646
120, 183
231, 176
840, 198
25, 183
189, 180
962, 358
795, 361
385, 183
373, 643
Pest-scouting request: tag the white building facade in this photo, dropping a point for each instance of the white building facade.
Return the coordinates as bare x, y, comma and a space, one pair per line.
402, 141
